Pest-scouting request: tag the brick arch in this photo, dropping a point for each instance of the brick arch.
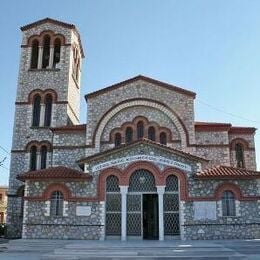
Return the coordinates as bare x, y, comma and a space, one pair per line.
241, 141
42, 94
102, 180
228, 187
38, 145
183, 181
140, 102
41, 36
57, 187
153, 169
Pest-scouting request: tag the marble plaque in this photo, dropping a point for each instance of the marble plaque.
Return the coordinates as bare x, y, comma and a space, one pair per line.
83, 210
205, 210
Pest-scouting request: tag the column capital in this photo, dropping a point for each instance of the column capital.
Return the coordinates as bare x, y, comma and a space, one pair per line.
123, 189
160, 189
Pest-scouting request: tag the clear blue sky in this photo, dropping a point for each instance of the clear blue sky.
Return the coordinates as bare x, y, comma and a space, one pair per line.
209, 47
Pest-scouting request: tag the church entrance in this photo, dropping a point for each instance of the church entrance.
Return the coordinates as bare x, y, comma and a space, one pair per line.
150, 216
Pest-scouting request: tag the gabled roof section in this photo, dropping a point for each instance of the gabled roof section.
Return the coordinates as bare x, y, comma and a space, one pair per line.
59, 172
138, 142
144, 78
47, 20
227, 172
69, 128
56, 22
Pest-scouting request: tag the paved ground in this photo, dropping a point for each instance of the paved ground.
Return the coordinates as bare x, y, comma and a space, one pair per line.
142, 250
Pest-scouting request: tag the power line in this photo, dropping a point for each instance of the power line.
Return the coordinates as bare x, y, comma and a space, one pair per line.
4, 167
4, 150
227, 113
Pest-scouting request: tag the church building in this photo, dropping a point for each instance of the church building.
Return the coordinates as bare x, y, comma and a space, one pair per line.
140, 168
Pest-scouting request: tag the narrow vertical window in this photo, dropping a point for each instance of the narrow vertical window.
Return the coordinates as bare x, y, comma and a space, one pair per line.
35, 53
56, 204
239, 156
46, 52
56, 58
151, 133
228, 204
36, 110
43, 157
33, 158
140, 130
118, 139
163, 138
128, 135
48, 110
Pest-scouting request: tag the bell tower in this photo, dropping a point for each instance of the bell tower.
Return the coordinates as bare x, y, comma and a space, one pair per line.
48, 95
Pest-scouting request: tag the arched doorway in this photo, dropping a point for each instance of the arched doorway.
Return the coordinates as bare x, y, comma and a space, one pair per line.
142, 206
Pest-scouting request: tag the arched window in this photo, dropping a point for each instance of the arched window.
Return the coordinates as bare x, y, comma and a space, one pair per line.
48, 109
33, 158
56, 58
151, 133
140, 130
239, 155
163, 138
118, 139
43, 157
46, 52
35, 54
228, 204
128, 135
56, 204
36, 110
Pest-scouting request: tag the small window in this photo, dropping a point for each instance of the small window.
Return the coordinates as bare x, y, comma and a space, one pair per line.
48, 109
56, 58
43, 157
140, 130
36, 110
128, 135
228, 204
151, 133
163, 138
239, 156
118, 139
33, 158
35, 54
56, 204
46, 52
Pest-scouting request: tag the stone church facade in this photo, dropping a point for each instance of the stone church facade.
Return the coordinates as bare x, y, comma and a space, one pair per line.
141, 168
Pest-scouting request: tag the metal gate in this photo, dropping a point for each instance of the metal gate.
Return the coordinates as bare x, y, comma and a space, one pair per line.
171, 206
141, 181
113, 206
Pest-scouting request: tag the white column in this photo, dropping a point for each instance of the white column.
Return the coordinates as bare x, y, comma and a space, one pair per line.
42, 114
40, 53
51, 57
123, 190
38, 160
160, 191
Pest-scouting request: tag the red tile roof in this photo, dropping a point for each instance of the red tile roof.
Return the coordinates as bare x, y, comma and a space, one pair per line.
227, 172
144, 78
213, 126
59, 172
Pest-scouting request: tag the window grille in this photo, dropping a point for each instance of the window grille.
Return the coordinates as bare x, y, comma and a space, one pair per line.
171, 207
33, 159
56, 204
48, 110
228, 204
43, 157
35, 53
142, 181
113, 206
118, 139
36, 110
